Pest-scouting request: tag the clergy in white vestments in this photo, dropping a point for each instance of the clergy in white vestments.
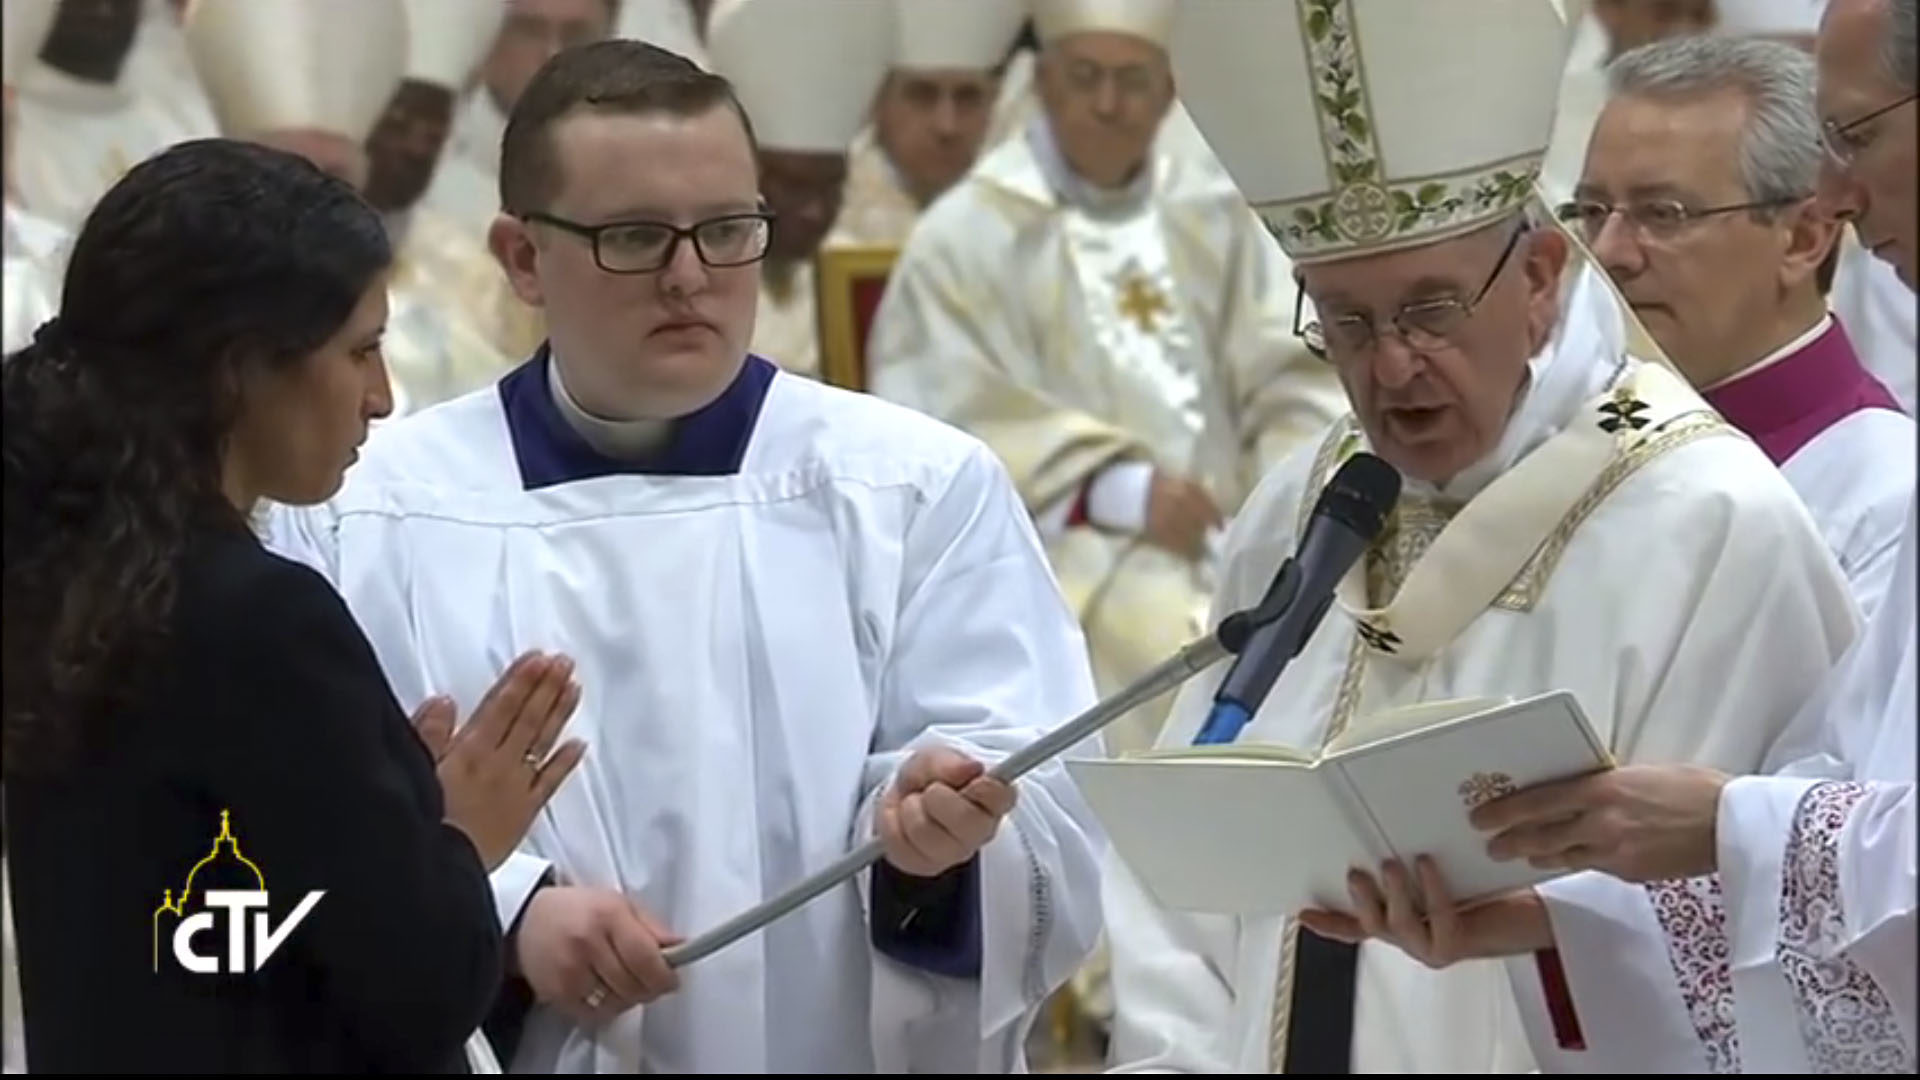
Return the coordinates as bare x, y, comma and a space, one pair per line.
439, 259
1699, 199
1111, 318
312, 77
82, 120
1572, 518
466, 185
802, 618
806, 70
930, 120
1776, 929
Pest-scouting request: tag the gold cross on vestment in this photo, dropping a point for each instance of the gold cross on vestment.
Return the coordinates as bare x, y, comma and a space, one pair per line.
1142, 303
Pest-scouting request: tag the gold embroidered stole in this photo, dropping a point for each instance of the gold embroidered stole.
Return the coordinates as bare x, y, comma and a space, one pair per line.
1437, 567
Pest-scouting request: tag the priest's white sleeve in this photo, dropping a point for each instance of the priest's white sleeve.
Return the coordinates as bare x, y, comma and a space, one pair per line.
985, 657
1820, 882
1638, 981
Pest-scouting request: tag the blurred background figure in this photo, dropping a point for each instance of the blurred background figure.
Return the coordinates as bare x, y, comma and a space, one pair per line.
272, 70
806, 71
440, 260
34, 246
931, 118
1106, 312
466, 186
104, 94
678, 26
446, 40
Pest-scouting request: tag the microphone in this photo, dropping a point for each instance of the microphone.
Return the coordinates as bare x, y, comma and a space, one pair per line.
1351, 512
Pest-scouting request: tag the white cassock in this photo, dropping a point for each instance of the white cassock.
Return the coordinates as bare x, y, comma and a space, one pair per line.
1798, 955
1084, 333
786, 326
1840, 439
35, 263
1877, 308
1664, 573
818, 585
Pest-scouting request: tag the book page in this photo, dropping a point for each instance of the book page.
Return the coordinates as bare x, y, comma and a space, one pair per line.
1393, 723
1231, 837
1419, 787
1250, 752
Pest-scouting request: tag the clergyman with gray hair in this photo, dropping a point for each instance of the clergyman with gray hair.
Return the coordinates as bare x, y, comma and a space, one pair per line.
1699, 198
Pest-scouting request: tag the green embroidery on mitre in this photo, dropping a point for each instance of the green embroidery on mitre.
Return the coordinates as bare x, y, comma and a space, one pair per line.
1365, 211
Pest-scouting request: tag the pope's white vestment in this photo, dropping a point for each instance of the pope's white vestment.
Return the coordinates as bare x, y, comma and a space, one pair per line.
1798, 954
1074, 330
810, 585
1621, 542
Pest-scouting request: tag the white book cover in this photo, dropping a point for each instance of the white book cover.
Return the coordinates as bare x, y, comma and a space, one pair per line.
1259, 829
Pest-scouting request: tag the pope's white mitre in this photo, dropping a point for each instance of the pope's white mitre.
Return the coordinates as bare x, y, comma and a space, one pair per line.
447, 39
275, 65
1361, 126
806, 70
1151, 20
1769, 18
935, 34
25, 30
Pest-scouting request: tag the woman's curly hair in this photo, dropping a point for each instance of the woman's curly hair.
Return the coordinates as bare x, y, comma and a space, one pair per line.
209, 259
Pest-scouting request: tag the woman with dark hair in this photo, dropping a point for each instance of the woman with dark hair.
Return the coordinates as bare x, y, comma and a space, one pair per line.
186, 714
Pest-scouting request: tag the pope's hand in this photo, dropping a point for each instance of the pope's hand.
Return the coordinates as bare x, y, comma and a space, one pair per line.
941, 810
1512, 924
1638, 823
592, 953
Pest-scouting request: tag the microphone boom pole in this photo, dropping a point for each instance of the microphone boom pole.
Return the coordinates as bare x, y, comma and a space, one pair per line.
1183, 665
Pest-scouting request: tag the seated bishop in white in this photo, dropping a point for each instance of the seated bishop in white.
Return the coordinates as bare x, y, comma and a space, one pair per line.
1607, 534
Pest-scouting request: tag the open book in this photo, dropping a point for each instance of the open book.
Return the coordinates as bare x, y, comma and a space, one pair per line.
1260, 829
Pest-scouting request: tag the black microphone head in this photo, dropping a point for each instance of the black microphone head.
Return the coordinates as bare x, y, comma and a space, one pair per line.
1361, 495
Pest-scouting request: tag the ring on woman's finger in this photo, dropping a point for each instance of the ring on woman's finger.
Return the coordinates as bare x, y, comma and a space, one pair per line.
596, 997
532, 759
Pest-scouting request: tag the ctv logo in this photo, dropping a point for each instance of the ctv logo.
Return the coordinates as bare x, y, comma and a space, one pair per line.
241, 891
